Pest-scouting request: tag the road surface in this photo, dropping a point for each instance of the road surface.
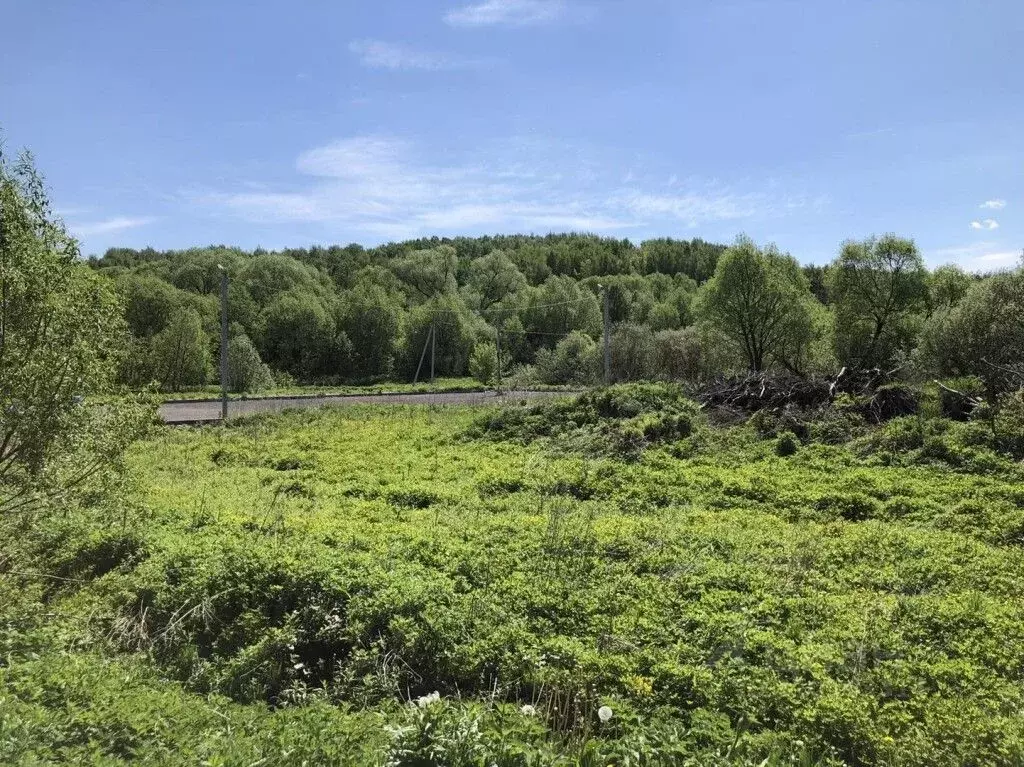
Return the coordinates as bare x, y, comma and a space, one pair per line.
206, 411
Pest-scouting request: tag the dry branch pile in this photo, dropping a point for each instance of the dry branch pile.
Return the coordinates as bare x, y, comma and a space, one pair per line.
876, 396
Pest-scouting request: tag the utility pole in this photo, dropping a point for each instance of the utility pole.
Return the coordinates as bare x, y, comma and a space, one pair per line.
223, 343
497, 357
423, 354
433, 347
607, 339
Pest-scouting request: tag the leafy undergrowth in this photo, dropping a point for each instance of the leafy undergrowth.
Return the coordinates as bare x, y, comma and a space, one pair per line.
295, 588
619, 420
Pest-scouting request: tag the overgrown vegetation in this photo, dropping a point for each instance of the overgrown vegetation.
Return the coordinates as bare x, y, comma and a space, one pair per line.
61, 337
807, 567
730, 593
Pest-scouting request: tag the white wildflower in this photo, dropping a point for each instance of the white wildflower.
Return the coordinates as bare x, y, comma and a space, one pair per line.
528, 710
604, 714
426, 700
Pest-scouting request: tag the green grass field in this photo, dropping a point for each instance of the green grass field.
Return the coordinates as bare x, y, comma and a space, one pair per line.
385, 387
286, 589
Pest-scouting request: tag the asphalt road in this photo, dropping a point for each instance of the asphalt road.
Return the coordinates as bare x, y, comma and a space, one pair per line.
205, 411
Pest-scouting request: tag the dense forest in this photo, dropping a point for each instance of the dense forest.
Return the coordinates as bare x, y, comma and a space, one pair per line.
679, 309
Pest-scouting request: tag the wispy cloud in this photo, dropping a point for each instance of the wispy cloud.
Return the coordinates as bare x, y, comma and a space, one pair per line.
508, 12
384, 55
695, 208
380, 185
978, 256
988, 224
993, 205
871, 133
110, 225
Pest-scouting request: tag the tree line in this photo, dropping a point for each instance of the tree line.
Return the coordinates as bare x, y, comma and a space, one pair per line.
354, 314
679, 309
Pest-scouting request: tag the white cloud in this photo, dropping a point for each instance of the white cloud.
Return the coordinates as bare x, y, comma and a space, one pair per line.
381, 185
993, 205
379, 54
110, 225
988, 223
510, 12
978, 256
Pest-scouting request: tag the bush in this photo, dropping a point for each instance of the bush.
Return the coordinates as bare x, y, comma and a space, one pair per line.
633, 353
620, 419
575, 359
181, 353
246, 371
786, 444
483, 363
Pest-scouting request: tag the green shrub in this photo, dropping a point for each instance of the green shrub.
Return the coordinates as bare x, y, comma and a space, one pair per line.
621, 419
246, 371
786, 444
853, 507
483, 363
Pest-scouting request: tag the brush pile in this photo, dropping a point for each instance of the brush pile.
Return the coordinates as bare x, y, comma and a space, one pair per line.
871, 392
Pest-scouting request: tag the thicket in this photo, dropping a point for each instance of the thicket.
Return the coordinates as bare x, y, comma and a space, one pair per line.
680, 310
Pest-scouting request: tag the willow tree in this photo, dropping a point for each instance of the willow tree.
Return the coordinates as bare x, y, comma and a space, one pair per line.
62, 334
878, 288
761, 301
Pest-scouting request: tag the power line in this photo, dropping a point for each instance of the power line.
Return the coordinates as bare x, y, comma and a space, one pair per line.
482, 312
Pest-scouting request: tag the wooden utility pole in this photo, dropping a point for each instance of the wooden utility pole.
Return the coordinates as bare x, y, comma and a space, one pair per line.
433, 347
607, 339
497, 358
223, 343
423, 354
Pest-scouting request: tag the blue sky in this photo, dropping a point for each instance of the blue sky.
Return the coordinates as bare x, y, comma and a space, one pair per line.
284, 124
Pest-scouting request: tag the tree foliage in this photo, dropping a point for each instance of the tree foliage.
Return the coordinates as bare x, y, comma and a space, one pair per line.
246, 371
982, 335
760, 300
575, 359
62, 337
354, 314
181, 356
876, 287
483, 363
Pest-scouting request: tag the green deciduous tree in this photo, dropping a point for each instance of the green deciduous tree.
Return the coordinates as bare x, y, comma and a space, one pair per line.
760, 300
62, 336
560, 306
300, 335
150, 303
483, 363
246, 371
876, 287
456, 333
981, 335
947, 286
372, 321
270, 275
633, 353
574, 360
429, 273
181, 356
492, 279
663, 316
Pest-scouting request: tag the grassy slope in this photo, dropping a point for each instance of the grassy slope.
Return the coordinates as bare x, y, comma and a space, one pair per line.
722, 600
